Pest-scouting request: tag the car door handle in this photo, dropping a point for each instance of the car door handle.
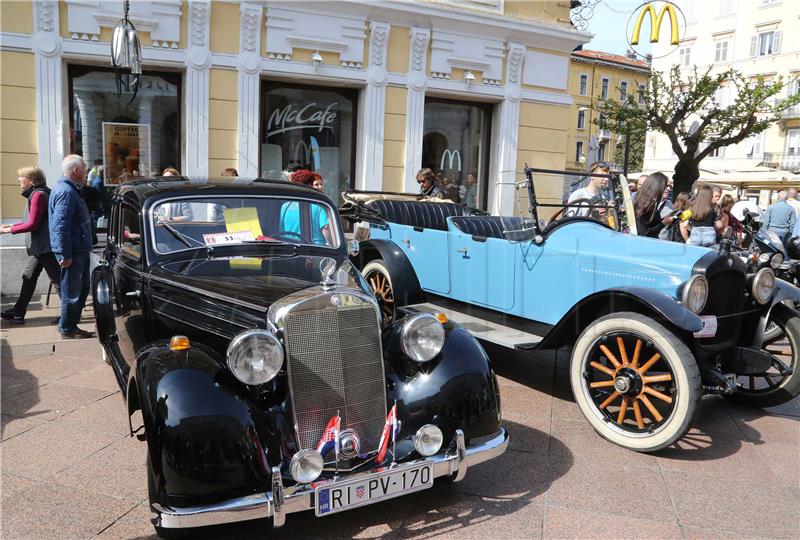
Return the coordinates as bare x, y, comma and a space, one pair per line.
407, 243
136, 294
463, 251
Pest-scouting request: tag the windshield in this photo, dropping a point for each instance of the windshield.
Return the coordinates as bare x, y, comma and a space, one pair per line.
565, 194
197, 222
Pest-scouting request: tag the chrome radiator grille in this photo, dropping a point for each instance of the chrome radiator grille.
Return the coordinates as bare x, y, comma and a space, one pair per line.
335, 363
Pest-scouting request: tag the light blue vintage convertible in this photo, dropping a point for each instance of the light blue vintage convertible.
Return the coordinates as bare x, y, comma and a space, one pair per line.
652, 325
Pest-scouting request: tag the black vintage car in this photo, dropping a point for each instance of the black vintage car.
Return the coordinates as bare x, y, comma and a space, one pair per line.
267, 381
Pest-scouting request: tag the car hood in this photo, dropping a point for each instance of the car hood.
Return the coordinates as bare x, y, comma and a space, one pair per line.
256, 280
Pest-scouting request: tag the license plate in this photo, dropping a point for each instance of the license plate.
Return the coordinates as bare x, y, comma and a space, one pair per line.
709, 329
347, 495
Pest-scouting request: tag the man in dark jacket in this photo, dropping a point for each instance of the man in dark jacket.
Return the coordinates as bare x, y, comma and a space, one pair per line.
37, 242
71, 240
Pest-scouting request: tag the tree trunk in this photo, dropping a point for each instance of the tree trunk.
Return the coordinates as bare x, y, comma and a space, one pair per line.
686, 172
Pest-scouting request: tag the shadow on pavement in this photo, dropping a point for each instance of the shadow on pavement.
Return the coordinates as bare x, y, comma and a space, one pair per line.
18, 385
492, 491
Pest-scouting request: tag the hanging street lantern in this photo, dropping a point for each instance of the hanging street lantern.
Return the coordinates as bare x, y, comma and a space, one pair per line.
126, 54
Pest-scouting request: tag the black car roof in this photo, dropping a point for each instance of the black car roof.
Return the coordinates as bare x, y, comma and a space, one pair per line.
162, 187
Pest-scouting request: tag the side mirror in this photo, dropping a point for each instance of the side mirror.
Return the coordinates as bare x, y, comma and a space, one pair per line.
353, 247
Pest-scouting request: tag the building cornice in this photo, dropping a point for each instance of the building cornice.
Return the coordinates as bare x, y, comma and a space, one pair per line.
607, 63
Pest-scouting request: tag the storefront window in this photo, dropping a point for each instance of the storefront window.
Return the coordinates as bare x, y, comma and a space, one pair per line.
309, 128
456, 146
122, 135
95, 101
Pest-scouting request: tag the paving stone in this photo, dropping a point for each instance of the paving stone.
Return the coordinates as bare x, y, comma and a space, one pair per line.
118, 470
134, 524
49, 401
11, 485
13, 426
107, 415
635, 492
99, 377
48, 449
48, 506
586, 447
760, 427
569, 523
784, 461
739, 507
44, 369
512, 475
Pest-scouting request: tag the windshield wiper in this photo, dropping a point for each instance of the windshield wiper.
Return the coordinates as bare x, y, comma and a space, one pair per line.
184, 239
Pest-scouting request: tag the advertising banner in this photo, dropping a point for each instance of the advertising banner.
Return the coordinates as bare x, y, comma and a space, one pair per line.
126, 151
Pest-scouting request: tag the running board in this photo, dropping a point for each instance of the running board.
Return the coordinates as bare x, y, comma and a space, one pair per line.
484, 329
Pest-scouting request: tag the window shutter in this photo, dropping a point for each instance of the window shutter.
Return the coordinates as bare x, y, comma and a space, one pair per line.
776, 42
753, 45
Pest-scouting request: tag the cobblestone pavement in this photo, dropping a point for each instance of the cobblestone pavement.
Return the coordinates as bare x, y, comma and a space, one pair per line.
69, 469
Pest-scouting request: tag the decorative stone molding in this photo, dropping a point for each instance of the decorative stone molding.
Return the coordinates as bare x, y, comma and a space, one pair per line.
46, 17
415, 105
249, 64
516, 54
198, 23
198, 61
374, 107
289, 29
160, 18
451, 50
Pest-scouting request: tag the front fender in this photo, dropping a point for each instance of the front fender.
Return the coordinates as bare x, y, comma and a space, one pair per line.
785, 291
407, 290
205, 437
456, 390
655, 304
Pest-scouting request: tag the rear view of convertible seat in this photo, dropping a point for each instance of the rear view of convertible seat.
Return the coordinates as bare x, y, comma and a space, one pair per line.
488, 226
429, 215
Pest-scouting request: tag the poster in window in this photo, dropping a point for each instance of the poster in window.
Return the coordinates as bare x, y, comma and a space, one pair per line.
126, 151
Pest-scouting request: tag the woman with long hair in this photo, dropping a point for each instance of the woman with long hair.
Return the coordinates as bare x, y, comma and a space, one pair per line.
701, 227
729, 220
647, 208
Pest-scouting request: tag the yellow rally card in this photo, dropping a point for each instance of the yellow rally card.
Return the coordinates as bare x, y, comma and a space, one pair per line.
242, 219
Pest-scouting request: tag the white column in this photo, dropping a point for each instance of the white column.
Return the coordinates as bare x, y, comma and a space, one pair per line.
415, 113
51, 104
249, 85
146, 117
502, 176
374, 108
198, 60
89, 125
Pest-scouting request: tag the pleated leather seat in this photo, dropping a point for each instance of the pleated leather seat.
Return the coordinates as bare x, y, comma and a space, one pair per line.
429, 215
487, 226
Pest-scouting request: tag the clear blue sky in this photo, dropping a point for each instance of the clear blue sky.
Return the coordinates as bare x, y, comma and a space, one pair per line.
608, 23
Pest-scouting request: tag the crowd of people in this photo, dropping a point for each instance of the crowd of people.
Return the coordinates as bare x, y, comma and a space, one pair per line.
702, 217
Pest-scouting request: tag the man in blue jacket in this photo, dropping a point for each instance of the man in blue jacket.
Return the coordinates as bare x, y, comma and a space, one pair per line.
71, 241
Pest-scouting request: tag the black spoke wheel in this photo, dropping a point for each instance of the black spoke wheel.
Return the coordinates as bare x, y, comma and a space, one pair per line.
377, 276
636, 382
774, 386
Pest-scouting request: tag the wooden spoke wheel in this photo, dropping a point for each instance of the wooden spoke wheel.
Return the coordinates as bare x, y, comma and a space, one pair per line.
781, 382
635, 381
377, 276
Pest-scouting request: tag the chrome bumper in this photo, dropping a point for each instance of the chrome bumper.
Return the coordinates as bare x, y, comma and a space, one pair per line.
281, 501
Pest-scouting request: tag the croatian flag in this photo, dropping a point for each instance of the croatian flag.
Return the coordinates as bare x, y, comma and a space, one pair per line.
330, 437
389, 431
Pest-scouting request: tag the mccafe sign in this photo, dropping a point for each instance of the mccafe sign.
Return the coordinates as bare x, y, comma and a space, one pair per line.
310, 116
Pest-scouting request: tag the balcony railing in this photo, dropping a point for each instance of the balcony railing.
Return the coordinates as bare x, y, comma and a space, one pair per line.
791, 112
788, 161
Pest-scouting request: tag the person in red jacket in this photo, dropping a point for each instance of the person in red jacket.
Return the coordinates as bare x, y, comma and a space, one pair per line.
40, 255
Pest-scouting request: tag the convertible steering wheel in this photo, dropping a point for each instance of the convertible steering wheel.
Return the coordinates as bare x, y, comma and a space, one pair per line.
292, 234
563, 212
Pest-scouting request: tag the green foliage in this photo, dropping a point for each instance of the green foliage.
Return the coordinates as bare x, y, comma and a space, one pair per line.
685, 107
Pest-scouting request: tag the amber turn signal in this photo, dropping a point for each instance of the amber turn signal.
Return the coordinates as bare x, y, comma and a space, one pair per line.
179, 343
442, 318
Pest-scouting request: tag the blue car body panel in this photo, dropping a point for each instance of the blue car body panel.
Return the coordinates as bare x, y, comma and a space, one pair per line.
540, 282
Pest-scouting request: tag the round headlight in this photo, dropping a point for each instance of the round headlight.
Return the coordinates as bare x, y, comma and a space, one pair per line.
695, 293
255, 356
763, 258
422, 337
776, 261
306, 466
763, 285
428, 440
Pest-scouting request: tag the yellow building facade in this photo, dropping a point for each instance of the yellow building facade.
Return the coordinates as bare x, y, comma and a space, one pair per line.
593, 76
364, 93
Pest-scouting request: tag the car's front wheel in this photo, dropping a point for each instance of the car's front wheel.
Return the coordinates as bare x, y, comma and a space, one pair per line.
772, 387
635, 381
377, 275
